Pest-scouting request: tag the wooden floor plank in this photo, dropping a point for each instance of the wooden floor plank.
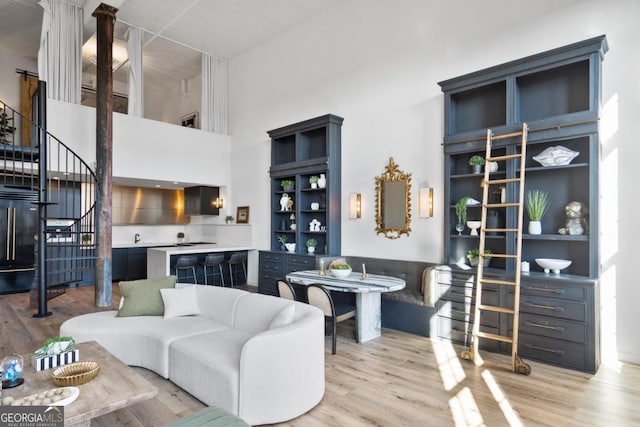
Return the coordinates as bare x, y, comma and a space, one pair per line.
397, 379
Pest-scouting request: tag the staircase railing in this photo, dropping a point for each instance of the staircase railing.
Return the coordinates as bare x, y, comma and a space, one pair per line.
69, 187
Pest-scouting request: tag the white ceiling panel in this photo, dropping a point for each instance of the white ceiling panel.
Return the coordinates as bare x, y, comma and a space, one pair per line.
177, 31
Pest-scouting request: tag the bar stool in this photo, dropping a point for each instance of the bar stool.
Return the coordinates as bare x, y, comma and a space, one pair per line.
186, 262
236, 259
213, 261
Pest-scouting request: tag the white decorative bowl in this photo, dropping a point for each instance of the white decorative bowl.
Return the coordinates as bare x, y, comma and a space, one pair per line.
340, 274
291, 247
553, 264
474, 226
556, 156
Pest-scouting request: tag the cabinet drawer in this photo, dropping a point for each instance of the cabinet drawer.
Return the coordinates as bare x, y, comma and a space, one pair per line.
460, 332
273, 257
464, 294
558, 352
267, 283
553, 290
552, 327
273, 268
552, 307
300, 262
464, 311
453, 293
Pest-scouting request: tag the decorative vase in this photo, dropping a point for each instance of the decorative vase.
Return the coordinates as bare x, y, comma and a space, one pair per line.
476, 169
322, 181
315, 206
311, 249
459, 228
535, 227
492, 222
314, 185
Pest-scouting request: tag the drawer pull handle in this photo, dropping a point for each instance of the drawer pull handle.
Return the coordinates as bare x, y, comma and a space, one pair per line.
539, 325
548, 350
554, 291
546, 307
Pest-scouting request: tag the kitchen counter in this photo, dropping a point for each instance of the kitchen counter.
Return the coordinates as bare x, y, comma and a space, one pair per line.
141, 244
158, 258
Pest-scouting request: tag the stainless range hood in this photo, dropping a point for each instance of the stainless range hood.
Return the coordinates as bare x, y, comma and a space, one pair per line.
147, 206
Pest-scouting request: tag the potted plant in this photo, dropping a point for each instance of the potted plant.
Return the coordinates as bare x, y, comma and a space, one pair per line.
282, 239
313, 180
287, 184
180, 236
228, 219
311, 245
476, 163
86, 239
340, 269
474, 256
537, 203
461, 213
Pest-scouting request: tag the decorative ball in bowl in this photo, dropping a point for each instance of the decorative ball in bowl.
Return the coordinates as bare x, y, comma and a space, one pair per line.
340, 270
553, 264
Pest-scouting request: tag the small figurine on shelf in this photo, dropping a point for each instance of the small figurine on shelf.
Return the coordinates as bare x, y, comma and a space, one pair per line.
284, 202
576, 223
314, 225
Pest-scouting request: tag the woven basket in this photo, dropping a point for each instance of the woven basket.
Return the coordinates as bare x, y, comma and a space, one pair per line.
75, 373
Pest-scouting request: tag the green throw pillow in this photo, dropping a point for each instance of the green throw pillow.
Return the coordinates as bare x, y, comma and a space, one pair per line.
143, 298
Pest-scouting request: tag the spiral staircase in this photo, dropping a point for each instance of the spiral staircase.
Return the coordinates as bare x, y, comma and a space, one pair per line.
36, 166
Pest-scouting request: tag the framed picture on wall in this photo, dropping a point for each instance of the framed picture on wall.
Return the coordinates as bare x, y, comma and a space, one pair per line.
190, 120
242, 215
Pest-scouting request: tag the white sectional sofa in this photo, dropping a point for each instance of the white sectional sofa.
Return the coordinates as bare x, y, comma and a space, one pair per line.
256, 356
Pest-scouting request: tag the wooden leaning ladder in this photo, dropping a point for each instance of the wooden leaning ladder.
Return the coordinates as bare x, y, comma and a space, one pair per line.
517, 365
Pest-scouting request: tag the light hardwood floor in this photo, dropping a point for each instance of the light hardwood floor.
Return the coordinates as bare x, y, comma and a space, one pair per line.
396, 380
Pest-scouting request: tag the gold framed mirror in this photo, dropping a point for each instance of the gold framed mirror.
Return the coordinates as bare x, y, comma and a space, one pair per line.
393, 202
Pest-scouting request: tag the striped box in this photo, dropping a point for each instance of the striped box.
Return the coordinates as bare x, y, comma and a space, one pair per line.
48, 362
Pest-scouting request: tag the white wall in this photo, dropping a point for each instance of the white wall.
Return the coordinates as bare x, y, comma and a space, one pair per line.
146, 149
377, 64
9, 79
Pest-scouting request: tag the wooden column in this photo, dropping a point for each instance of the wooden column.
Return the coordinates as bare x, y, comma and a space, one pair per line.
105, 17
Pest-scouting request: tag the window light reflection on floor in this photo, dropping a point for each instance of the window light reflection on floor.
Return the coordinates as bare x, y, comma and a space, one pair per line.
451, 371
464, 410
510, 415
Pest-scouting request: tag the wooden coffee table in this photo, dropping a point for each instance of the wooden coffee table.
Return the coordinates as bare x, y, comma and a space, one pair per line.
116, 386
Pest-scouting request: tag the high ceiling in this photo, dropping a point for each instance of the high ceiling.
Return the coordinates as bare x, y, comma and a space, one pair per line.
176, 31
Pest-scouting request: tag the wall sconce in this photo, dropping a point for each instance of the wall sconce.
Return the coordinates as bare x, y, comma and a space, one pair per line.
425, 202
218, 203
355, 205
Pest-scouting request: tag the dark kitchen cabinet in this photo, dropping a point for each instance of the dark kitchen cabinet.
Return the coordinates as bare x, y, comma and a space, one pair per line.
201, 200
129, 263
276, 265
